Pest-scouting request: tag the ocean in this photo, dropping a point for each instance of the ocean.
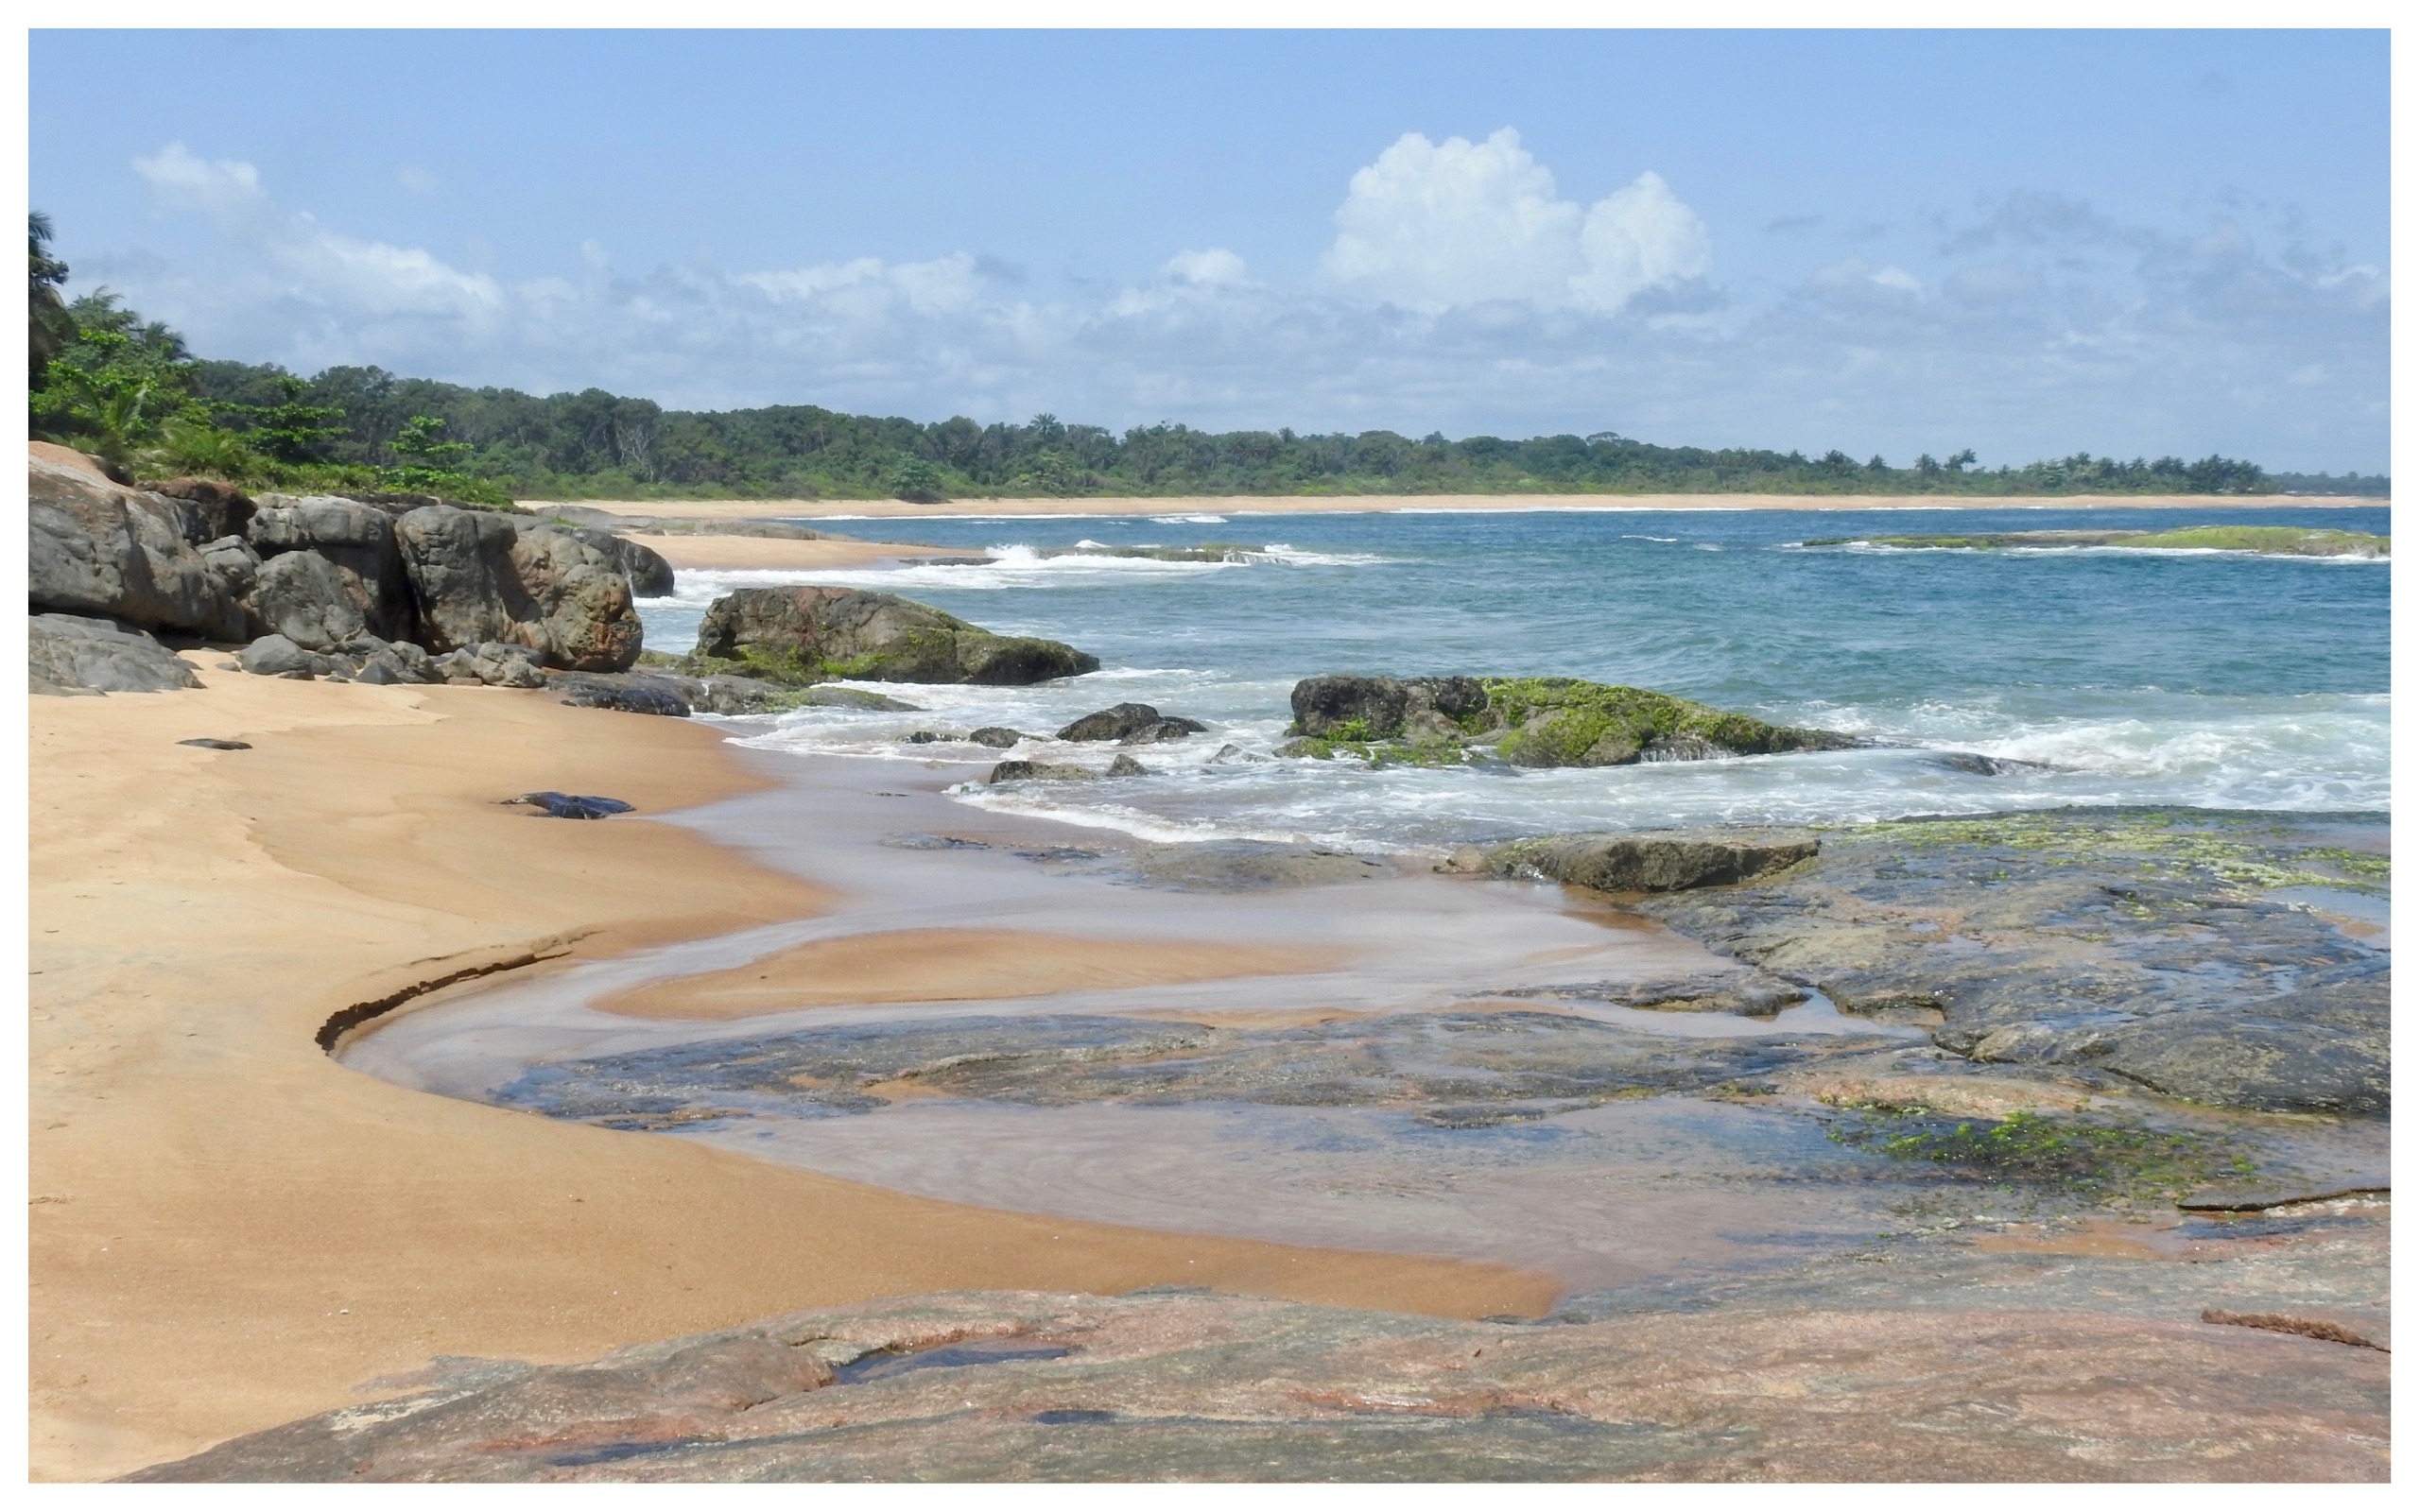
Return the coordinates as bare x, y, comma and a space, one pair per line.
2214, 680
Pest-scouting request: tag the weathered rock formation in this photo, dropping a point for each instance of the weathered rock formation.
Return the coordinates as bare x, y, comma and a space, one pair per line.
102, 550
73, 653
1527, 722
650, 576
354, 539
802, 635
475, 577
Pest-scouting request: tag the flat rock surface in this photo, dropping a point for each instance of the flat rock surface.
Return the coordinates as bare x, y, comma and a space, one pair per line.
1924, 1358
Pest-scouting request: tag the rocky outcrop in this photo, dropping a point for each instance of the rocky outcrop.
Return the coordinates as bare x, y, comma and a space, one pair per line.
2004, 1370
2129, 947
1344, 707
73, 653
102, 550
1131, 724
1666, 861
1527, 722
213, 509
356, 540
650, 576
478, 579
999, 737
802, 635
363, 658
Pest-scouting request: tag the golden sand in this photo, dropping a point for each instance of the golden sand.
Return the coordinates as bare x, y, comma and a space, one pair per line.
229, 1230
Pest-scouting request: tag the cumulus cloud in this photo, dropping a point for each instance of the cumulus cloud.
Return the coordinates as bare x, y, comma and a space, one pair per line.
1435, 225
1460, 294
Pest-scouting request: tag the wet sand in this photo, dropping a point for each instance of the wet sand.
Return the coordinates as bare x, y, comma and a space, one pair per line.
1400, 504
229, 1229
948, 964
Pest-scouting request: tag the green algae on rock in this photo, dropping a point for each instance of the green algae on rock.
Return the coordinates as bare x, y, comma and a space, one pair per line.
2267, 540
1525, 721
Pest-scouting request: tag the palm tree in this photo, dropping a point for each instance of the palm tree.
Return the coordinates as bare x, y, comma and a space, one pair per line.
49, 326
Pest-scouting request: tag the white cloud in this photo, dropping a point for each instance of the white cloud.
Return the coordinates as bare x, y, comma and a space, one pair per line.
1461, 295
353, 276
1434, 227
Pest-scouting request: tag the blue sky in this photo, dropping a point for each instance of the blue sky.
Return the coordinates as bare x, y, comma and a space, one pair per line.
2027, 242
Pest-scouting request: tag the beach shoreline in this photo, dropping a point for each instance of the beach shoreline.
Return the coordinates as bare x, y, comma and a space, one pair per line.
1415, 503
229, 1229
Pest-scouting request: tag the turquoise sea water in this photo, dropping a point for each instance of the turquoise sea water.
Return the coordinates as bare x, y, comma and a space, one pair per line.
2209, 679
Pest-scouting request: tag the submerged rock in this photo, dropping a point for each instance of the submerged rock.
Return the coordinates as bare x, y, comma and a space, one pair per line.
999, 737
1041, 772
1131, 724
802, 635
1525, 721
2130, 948
76, 653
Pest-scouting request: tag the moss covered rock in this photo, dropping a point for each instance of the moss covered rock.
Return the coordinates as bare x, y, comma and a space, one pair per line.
1527, 721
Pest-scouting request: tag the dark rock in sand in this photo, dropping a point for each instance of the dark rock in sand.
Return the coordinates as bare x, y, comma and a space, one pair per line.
1041, 772
75, 653
493, 664
212, 743
1665, 861
999, 737
1245, 866
362, 659
572, 805
801, 635
101, 550
475, 577
629, 692
1131, 724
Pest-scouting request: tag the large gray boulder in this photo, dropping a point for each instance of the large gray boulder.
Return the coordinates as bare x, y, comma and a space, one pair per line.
102, 550
74, 653
359, 541
306, 598
475, 577
801, 635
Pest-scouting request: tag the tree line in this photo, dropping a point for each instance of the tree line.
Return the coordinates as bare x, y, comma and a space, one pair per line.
104, 377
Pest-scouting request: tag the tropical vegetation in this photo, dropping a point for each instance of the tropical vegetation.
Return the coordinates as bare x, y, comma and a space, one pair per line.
106, 380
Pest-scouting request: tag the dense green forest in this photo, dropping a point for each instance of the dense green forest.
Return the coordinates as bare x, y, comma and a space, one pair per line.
106, 378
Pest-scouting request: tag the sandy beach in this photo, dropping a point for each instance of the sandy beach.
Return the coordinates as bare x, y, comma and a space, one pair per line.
713, 551
229, 1229
1394, 504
